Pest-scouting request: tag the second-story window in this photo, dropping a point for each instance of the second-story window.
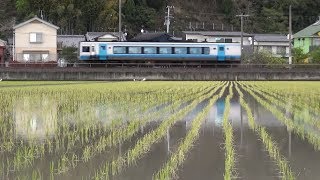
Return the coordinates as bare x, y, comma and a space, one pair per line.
35, 37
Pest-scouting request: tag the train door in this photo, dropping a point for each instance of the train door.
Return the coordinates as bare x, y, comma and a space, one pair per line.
221, 53
103, 51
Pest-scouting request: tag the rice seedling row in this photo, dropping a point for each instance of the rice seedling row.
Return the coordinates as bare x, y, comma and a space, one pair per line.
269, 144
168, 171
300, 102
143, 145
312, 137
124, 133
296, 110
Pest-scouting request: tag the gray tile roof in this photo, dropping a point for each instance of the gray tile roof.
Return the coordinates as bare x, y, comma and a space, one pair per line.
308, 31
91, 36
271, 38
218, 33
151, 36
70, 40
35, 19
3, 42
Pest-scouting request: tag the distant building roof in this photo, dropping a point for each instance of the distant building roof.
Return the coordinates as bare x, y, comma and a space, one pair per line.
70, 40
309, 31
270, 38
35, 19
2, 42
153, 37
92, 36
218, 33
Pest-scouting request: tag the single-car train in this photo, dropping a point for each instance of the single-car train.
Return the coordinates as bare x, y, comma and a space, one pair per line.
159, 52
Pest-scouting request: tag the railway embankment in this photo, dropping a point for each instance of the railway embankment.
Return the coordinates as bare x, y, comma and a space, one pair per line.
169, 74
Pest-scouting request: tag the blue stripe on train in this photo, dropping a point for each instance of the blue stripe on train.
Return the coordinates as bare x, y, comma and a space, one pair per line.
159, 56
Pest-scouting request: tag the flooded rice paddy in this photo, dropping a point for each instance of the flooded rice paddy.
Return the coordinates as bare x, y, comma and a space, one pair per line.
159, 130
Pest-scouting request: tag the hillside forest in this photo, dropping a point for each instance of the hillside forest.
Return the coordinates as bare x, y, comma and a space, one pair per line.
81, 16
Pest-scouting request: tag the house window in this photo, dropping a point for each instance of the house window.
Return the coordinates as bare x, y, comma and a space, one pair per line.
281, 50
316, 42
36, 56
267, 49
35, 37
26, 57
228, 40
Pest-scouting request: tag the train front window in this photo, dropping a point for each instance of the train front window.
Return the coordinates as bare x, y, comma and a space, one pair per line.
119, 50
180, 50
134, 50
85, 49
150, 50
195, 50
165, 50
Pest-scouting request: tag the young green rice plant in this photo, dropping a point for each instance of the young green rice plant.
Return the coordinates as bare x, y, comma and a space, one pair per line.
268, 142
295, 109
299, 91
228, 135
123, 133
177, 159
311, 136
299, 102
143, 145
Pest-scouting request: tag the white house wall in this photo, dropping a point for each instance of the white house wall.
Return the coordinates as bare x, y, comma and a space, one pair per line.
202, 38
22, 38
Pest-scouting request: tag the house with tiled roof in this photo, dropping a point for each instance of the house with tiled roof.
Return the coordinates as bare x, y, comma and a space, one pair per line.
217, 36
35, 40
276, 44
104, 36
69, 40
309, 38
2, 50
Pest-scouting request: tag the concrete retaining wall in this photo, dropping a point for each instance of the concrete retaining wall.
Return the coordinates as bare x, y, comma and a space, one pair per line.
172, 74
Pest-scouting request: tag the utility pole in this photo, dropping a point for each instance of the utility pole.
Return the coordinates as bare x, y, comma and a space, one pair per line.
242, 18
168, 17
120, 25
290, 35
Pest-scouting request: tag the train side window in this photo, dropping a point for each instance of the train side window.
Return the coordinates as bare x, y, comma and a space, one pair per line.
195, 50
134, 50
85, 49
180, 50
221, 48
165, 50
150, 50
92, 48
206, 50
119, 50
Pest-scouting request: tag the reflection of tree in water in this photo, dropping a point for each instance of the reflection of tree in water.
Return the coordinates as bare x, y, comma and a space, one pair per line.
35, 117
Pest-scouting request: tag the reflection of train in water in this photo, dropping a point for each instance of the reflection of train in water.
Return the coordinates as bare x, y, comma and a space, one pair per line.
159, 52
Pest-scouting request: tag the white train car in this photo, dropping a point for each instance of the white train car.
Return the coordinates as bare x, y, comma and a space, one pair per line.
164, 52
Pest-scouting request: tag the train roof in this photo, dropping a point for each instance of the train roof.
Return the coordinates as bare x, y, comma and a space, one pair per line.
159, 43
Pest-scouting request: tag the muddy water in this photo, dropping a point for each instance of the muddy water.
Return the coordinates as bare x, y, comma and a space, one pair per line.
206, 159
